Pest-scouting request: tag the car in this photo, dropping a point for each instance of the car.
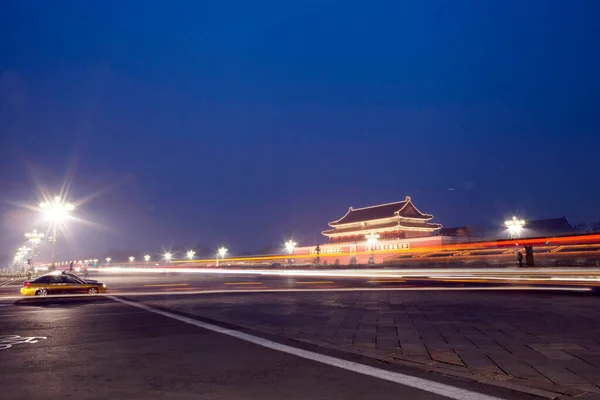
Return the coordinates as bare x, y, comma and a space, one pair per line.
61, 283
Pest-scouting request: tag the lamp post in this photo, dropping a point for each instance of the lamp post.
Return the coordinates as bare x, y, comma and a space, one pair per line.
108, 260
34, 237
147, 257
131, 259
191, 254
515, 227
290, 245
167, 257
22, 254
372, 239
221, 252
55, 212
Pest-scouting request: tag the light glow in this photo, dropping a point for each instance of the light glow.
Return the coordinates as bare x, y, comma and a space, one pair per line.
56, 211
372, 239
290, 245
515, 226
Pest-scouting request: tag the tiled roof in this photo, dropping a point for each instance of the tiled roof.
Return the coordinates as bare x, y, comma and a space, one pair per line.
403, 208
400, 226
366, 228
405, 224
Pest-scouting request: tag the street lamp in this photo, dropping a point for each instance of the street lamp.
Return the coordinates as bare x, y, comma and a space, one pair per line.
147, 257
167, 257
34, 237
290, 245
131, 259
190, 254
515, 226
372, 239
221, 252
55, 212
108, 260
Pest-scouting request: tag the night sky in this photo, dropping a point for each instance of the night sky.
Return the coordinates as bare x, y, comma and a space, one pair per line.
244, 123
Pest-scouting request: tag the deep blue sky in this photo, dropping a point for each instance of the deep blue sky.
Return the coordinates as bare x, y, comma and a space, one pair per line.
243, 123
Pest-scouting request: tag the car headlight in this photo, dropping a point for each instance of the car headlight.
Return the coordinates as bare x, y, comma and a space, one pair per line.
104, 286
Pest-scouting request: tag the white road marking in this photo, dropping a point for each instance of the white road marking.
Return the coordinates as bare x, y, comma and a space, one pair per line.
402, 379
7, 341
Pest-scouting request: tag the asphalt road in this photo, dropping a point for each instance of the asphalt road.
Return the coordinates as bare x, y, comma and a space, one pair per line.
99, 348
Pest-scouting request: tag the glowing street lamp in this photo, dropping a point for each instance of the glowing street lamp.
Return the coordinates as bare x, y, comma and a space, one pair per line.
290, 245
167, 257
191, 254
108, 260
34, 237
55, 212
221, 253
131, 259
147, 257
514, 226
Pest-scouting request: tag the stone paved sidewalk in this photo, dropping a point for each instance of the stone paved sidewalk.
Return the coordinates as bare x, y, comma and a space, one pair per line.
542, 343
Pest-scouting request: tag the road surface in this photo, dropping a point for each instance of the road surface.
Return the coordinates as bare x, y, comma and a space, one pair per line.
126, 345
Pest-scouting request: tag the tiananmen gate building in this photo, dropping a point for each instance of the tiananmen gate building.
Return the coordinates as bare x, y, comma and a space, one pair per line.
398, 226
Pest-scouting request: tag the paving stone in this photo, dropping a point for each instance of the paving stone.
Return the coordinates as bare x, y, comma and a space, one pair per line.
386, 330
448, 357
345, 335
386, 343
519, 369
559, 355
560, 375
589, 396
555, 346
414, 349
364, 338
478, 361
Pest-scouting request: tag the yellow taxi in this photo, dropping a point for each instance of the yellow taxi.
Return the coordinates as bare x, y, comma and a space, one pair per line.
56, 283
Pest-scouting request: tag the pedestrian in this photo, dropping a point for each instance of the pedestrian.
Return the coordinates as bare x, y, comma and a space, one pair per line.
71, 267
520, 258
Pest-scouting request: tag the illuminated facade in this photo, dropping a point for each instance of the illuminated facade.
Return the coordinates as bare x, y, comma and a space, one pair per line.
390, 222
371, 234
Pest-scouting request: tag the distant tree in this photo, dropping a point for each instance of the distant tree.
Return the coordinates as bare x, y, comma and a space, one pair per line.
353, 260
337, 261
